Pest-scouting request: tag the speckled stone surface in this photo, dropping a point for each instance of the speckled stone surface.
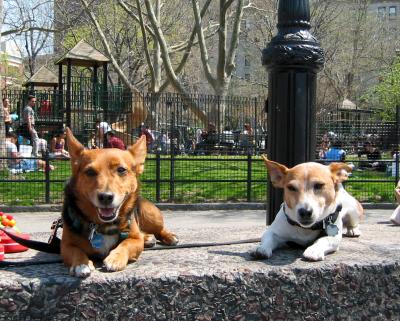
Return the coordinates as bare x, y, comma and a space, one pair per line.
360, 282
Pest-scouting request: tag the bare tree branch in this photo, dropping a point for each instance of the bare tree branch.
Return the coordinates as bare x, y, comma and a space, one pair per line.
106, 46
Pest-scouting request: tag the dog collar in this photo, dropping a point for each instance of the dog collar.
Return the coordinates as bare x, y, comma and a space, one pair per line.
320, 225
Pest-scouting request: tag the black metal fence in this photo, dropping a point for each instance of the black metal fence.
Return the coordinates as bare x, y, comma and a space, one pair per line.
203, 149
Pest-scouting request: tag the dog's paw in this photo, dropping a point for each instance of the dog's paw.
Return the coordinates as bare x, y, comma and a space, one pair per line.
117, 260
314, 253
173, 240
169, 238
260, 253
81, 270
352, 232
150, 241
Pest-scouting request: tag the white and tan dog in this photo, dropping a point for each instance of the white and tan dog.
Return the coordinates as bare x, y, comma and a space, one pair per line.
315, 211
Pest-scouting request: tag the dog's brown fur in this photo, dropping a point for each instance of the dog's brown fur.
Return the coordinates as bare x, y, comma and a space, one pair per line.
112, 171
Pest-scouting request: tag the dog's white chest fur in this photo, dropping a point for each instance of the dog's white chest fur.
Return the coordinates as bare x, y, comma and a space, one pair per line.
292, 233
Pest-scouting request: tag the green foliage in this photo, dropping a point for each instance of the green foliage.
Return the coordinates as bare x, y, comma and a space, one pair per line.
388, 90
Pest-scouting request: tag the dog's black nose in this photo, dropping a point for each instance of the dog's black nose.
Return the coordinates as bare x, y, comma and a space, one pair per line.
305, 214
105, 198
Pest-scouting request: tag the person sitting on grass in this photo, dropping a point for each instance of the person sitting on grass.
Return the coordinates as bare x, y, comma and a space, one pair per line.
17, 164
113, 141
335, 153
57, 146
373, 156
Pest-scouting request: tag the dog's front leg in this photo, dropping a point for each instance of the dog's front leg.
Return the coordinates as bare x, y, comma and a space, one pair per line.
77, 261
324, 245
268, 244
128, 250
271, 239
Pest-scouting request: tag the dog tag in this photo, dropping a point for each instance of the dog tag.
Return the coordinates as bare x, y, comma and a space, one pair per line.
97, 240
331, 230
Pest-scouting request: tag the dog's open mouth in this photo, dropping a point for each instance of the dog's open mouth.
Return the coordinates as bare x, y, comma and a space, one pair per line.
107, 214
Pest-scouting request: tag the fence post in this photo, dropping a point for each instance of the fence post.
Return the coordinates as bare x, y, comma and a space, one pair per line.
248, 177
256, 147
158, 176
173, 139
47, 176
218, 117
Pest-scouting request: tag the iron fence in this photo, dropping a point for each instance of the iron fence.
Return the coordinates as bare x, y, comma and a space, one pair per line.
201, 150
192, 179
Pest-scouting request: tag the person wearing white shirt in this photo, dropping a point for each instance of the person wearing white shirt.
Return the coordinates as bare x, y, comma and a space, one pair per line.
102, 128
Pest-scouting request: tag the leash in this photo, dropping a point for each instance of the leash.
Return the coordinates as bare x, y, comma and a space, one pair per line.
6, 263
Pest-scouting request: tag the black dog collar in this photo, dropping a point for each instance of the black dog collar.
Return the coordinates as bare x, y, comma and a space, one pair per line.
320, 225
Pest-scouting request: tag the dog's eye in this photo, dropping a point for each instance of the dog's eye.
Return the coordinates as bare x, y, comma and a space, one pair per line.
121, 170
292, 188
90, 172
318, 186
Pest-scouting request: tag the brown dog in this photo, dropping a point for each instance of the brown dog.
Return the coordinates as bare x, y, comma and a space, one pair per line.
103, 215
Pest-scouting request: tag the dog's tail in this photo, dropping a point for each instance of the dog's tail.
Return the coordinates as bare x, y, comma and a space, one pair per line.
53, 247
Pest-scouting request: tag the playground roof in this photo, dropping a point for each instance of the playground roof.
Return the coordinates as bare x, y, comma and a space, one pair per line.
348, 104
83, 55
43, 77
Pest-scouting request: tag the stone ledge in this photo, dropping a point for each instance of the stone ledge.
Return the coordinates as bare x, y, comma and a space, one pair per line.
360, 282
340, 292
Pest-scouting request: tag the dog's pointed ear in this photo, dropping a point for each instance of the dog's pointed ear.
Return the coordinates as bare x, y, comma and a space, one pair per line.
340, 172
139, 152
75, 148
277, 172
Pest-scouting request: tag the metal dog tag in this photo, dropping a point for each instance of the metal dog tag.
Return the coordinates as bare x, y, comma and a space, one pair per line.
97, 240
331, 230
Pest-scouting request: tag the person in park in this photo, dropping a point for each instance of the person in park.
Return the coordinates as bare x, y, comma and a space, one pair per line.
102, 127
57, 145
7, 115
145, 130
373, 156
335, 153
28, 124
113, 141
17, 164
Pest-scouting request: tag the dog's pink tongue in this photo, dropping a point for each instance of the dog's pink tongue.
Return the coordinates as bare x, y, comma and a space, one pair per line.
106, 211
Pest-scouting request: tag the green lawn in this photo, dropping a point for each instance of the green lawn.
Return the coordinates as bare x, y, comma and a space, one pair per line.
230, 182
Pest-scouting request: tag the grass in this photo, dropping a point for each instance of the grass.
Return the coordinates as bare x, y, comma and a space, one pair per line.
229, 172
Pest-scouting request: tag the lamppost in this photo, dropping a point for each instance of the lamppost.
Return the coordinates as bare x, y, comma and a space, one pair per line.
292, 58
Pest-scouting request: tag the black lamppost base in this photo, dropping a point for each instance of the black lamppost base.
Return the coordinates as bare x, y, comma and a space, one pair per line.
292, 58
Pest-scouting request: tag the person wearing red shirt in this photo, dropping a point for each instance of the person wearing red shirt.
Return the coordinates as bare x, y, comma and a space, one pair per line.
113, 141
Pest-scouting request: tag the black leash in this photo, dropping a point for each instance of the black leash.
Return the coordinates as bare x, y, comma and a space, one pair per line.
155, 248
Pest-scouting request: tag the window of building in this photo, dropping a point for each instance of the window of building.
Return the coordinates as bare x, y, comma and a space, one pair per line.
247, 61
246, 24
247, 77
381, 11
392, 11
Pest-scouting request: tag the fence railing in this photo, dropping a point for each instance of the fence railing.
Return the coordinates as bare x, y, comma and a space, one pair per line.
201, 150
193, 179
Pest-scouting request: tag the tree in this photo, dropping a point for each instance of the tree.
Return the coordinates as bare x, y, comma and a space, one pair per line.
357, 45
31, 25
387, 91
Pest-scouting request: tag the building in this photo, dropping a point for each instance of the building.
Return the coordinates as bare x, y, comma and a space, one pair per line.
389, 10
11, 65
